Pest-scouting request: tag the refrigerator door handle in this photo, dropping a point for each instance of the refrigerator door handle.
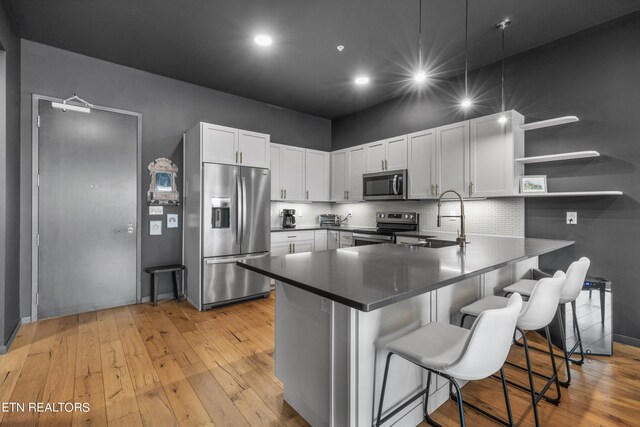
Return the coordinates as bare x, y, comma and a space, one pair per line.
226, 260
244, 207
239, 208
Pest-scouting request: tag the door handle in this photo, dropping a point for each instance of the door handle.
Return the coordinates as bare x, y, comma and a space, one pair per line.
307, 194
470, 188
433, 190
238, 211
290, 248
437, 189
386, 165
281, 196
285, 193
395, 184
241, 157
236, 157
347, 194
244, 205
294, 248
382, 164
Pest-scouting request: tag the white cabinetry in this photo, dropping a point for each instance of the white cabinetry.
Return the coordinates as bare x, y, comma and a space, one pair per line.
320, 243
388, 154
333, 239
287, 173
422, 164
292, 242
231, 146
452, 158
494, 146
317, 175
346, 239
347, 167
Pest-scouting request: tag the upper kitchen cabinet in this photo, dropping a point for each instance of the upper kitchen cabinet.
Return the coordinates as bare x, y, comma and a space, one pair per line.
452, 159
347, 168
317, 175
339, 175
355, 170
253, 149
494, 146
221, 144
275, 157
388, 154
289, 183
421, 164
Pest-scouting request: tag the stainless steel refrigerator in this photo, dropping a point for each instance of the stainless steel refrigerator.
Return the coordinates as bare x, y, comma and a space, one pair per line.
235, 226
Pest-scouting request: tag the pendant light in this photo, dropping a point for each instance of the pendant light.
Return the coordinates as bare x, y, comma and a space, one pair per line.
420, 75
466, 101
501, 26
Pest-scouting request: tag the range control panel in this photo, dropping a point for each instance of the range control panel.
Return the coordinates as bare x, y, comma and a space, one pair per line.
397, 217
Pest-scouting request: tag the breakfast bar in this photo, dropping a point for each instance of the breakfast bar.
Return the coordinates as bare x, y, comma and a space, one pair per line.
336, 310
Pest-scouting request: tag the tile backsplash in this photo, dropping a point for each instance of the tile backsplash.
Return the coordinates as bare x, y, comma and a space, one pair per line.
504, 217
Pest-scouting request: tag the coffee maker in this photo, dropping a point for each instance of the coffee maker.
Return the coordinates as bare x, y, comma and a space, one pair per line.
288, 218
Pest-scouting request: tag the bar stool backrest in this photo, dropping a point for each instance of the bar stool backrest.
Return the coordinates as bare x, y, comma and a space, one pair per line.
489, 342
542, 305
576, 273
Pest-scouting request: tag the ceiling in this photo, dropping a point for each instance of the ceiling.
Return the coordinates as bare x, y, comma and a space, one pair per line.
210, 42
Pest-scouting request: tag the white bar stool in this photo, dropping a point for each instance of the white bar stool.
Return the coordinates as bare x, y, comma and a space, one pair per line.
453, 352
536, 314
576, 273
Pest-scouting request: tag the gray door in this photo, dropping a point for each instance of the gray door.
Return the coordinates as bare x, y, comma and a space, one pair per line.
256, 229
87, 210
221, 194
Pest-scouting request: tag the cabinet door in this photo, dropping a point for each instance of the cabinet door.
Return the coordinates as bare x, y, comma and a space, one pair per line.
422, 152
292, 172
492, 150
376, 155
396, 153
346, 239
281, 248
301, 246
219, 144
452, 144
333, 239
338, 175
253, 149
320, 243
317, 175
275, 164
356, 168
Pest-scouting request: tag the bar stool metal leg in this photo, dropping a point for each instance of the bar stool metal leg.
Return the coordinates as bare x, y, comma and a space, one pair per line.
506, 396
155, 285
384, 386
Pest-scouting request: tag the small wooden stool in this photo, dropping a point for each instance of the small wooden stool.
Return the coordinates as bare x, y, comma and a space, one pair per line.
176, 269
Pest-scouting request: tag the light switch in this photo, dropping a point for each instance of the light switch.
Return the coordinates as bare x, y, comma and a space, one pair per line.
572, 218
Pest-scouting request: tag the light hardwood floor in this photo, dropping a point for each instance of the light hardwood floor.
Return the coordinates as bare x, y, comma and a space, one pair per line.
170, 365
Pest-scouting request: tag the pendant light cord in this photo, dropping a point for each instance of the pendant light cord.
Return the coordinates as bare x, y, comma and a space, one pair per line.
420, 34
502, 55
466, 50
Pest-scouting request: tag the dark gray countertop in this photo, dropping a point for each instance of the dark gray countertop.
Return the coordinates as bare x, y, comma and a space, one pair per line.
370, 277
317, 227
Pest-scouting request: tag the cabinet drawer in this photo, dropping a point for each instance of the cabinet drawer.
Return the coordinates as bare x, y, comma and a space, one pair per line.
290, 236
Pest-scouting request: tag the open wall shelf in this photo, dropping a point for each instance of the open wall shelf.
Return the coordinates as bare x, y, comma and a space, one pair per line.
574, 194
558, 157
548, 123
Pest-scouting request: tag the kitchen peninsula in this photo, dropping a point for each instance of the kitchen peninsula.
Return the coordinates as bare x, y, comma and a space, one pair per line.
336, 310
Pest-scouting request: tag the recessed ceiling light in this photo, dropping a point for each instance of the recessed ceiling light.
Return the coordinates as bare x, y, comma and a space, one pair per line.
362, 80
340, 48
420, 76
466, 103
263, 40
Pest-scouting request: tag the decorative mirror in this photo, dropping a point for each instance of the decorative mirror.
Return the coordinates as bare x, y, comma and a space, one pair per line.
163, 189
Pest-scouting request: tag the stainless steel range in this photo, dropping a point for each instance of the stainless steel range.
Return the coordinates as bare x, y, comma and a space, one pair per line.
387, 224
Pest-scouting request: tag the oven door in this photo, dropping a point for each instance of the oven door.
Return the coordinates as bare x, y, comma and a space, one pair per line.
370, 239
384, 185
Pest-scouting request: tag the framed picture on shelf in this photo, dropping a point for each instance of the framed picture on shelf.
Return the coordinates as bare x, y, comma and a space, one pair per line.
533, 184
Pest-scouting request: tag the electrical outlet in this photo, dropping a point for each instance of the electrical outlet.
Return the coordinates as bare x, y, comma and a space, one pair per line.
324, 305
349, 212
572, 218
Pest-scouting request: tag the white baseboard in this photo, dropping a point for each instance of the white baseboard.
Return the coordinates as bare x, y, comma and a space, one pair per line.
26, 320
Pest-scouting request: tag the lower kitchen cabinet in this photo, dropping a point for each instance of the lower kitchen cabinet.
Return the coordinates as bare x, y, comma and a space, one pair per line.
333, 239
292, 242
320, 243
346, 239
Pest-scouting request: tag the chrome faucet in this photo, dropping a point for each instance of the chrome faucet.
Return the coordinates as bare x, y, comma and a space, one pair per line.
462, 238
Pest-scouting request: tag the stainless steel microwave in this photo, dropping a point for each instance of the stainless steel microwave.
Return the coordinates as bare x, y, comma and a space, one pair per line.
388, 185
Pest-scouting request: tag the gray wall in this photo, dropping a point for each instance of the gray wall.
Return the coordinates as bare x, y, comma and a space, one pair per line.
9, 184
594, 75
169, 108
